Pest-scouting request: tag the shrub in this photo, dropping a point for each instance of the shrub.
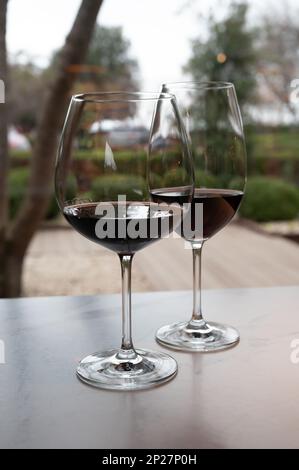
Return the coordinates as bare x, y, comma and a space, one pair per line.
204, 179
125, 161
176, 177
155, 181
109, 187
70, 193
17, 183
268, 199
21, 154
237, 183
164, 161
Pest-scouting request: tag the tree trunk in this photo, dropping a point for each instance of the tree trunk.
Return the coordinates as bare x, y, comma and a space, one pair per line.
40, 186
11, 273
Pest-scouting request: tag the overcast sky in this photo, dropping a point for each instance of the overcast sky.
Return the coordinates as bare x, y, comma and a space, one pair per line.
159, 30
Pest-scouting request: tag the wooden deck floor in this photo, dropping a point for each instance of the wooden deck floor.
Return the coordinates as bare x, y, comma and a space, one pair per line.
61, 262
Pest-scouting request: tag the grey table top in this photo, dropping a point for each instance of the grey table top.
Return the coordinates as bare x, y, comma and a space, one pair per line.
243, 397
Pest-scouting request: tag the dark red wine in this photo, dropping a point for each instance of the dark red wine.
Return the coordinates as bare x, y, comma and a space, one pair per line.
179, 195
219, 207
122, 227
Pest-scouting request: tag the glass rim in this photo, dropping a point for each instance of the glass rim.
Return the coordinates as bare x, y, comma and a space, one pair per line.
204, 85
120, 96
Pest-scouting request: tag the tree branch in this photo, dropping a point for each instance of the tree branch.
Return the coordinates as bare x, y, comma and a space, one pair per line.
40, 187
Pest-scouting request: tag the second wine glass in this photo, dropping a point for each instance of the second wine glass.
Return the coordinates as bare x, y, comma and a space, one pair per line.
215, 132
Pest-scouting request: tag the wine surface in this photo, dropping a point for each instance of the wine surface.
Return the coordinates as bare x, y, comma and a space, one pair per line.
218, 208
180, 195
122, 227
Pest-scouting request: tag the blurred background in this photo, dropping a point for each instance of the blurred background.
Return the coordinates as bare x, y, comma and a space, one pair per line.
133, 45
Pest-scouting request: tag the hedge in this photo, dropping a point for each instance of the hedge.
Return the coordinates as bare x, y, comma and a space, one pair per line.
269, 199
17, 185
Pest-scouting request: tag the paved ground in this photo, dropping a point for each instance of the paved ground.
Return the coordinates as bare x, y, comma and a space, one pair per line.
61, 262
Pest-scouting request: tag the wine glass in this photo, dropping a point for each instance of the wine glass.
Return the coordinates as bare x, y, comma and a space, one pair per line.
102, 188
215, 132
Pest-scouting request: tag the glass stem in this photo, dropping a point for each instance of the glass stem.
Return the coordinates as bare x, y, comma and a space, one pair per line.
127, 351
197, 255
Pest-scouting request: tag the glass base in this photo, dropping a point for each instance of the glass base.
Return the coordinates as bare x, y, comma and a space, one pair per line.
112, 370
197, 336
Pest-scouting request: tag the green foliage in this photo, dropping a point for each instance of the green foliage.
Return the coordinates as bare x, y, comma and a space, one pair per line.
17, 183
100, 155
20, 155
235, 42
28, 85
277, 143
161, 163
109, 187
71, 192
126, 161
236, 183
107, 67
156, 181
266, 199
53, 209
174, 177
269, 199
109, 50
280, 143
202, 179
